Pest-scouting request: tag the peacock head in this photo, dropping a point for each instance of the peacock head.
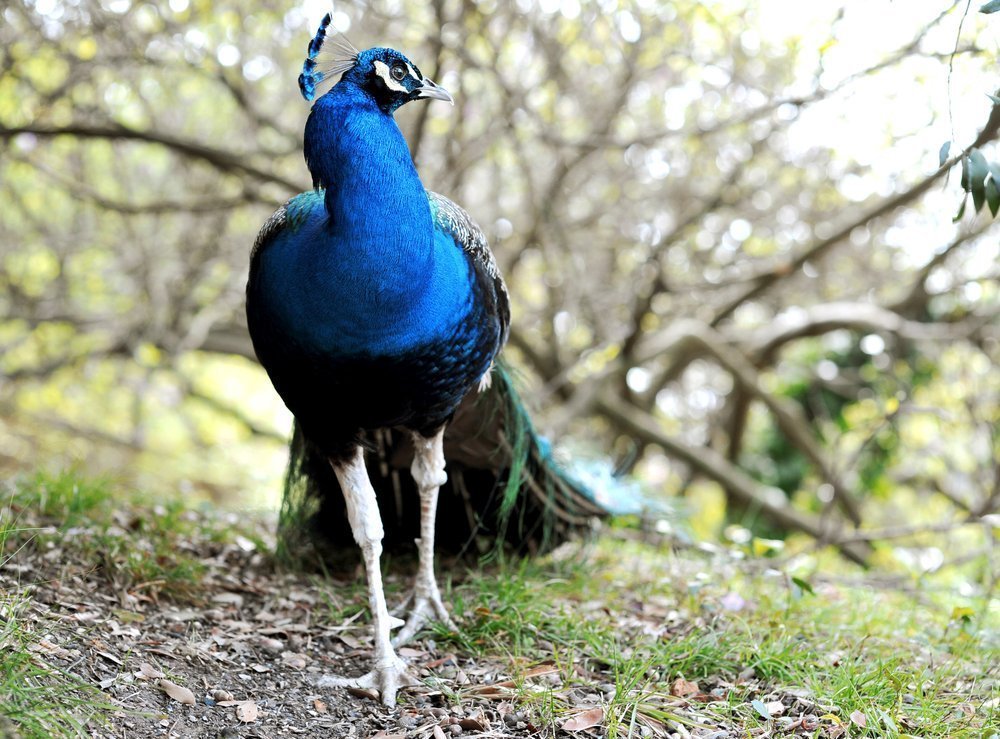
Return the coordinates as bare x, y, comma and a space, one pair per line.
385, 74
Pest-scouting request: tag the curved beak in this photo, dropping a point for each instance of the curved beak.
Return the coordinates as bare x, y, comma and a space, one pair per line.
430, 89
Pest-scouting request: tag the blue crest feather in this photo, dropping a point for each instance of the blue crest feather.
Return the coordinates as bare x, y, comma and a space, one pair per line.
312, 75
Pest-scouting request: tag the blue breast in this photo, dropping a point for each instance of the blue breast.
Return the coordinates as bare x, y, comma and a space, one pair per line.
339, 292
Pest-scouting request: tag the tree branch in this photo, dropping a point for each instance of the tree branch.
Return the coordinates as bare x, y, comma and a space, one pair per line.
713, 465
819, 248
224, 160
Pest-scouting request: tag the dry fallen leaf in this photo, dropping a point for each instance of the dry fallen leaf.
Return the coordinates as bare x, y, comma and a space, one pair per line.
294, 660
473, 724
775, 708
363, 693
496, 688
585, 720
681, 688
319, 705
219, 695
177, 692
859, 718
44, 645
246, 712
350, 641
148, 672
270, 644
228, 598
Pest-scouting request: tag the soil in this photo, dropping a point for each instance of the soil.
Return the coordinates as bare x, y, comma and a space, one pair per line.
250, 645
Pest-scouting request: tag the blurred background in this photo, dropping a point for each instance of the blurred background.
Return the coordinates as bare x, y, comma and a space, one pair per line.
732, 256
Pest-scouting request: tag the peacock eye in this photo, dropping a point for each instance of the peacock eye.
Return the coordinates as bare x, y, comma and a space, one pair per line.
398, 72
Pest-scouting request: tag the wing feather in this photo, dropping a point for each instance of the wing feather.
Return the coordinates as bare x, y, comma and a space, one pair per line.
453, 220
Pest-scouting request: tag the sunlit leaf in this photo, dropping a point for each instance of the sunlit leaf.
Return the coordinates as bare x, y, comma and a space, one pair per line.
992, 196
962, 613
961, 211
887, 721
943, 153
765, 547
804, 585
978, 169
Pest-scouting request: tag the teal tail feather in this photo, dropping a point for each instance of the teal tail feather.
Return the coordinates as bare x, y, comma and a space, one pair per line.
505, 491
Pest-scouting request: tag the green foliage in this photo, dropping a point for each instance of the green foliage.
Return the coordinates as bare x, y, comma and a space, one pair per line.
979, 179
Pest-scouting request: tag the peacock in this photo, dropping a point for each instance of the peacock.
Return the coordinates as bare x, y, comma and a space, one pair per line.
378, 311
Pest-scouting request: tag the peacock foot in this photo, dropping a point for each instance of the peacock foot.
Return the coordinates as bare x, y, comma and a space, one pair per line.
387, 678
425, 604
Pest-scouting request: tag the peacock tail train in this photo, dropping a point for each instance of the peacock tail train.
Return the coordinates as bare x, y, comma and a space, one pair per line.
505, 491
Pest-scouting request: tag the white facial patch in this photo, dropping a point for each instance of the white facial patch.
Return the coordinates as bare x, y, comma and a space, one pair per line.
382, 70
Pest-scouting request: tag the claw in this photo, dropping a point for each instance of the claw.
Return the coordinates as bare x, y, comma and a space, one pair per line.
427, 603
387, 679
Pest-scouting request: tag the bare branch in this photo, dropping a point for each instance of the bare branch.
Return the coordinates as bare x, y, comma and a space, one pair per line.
818, 249
714, 466
218, 158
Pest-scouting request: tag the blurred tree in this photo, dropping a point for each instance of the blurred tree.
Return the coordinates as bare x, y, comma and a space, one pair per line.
704, 281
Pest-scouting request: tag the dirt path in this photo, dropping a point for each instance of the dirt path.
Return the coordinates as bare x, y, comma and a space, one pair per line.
250, 655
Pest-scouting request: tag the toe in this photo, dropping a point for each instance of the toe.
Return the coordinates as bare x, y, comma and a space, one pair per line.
387, 679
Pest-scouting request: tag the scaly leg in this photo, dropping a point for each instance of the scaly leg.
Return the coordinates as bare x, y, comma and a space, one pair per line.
428, 472
389, 673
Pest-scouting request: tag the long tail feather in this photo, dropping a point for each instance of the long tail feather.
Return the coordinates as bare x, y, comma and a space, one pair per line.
504, 489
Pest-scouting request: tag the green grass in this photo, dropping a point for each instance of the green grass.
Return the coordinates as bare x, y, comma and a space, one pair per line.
134, 543
902, 664
38, 700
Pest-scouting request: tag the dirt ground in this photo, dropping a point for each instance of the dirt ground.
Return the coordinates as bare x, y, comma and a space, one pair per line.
235, 647
246, 663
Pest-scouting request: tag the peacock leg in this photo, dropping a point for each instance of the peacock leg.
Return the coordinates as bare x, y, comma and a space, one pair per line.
389, 673
428, 472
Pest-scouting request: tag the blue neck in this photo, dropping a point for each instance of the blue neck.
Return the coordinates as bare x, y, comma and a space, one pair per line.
373, 193
361, 268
